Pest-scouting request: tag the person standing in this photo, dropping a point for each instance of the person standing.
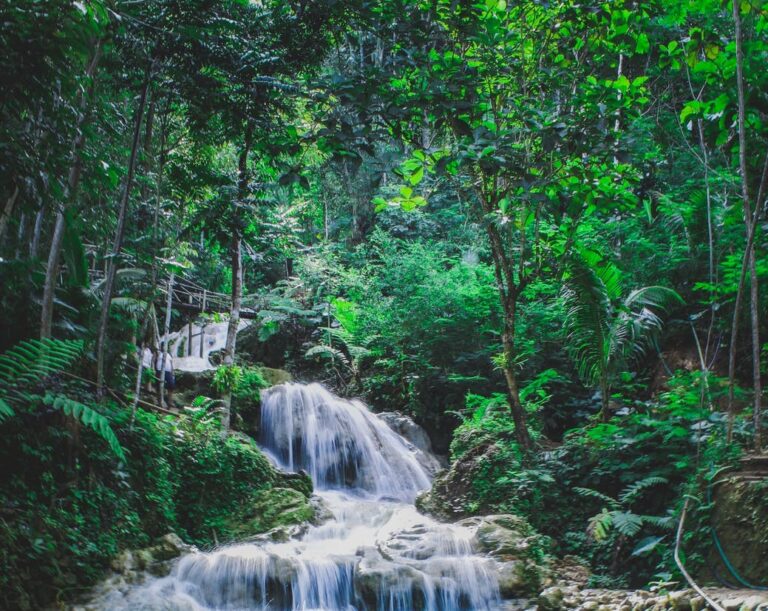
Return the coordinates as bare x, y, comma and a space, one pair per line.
165, 378
168, 376
148, 373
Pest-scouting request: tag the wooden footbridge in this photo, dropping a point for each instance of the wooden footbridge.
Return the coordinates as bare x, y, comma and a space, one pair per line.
190, 297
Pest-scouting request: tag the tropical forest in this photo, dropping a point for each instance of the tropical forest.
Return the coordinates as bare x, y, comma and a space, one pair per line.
383, 305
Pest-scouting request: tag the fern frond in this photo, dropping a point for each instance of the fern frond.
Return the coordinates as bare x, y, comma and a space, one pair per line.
663, 522
627, 523
600, 525
588, 492
31, 361
633, 492
326, 352
6, 411
89, 417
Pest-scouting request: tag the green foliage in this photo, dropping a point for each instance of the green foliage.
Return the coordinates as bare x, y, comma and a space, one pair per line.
227, 378
89, 417
250, 384
70, 518
607, 330
26, 366
619, 516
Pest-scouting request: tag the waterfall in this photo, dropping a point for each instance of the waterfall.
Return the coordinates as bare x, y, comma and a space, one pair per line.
339, 443
376, 552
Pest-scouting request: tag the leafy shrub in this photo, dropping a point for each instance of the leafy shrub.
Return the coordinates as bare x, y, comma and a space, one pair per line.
65, 518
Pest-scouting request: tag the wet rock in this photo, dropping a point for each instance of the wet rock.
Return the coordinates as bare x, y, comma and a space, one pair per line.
452, 488
154, 559
375, 577
517, 548
514, 579
415, 435
551, 599
273, 508
323, 513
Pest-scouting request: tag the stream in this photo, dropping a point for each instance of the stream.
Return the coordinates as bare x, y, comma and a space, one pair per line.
374, 550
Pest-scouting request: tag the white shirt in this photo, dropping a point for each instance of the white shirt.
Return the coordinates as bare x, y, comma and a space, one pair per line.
146, 358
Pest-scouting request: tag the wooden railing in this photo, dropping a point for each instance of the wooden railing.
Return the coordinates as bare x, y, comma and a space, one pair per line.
189, 296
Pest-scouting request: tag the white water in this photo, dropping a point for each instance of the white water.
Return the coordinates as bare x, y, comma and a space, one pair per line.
188, 354
376, 552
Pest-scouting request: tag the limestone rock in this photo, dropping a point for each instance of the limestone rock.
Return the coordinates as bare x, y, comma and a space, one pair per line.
273, 508
415, 435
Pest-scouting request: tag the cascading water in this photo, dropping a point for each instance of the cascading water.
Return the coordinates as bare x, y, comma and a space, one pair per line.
376, 552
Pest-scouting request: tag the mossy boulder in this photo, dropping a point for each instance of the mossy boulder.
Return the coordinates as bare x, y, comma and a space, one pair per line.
273, 508
274, 377
521, 554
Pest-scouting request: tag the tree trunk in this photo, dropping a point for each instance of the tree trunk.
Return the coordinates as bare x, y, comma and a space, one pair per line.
750, 221
757, 384
164, 343
5, 216
73, 181
34, 244
508, 296
237, 273
117, 246
605, 410
234, 322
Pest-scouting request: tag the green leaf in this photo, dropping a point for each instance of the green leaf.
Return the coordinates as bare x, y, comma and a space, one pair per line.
647, 545
416, 177
642, 44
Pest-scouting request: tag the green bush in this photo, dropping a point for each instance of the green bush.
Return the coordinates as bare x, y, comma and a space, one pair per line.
68, 506
673, 438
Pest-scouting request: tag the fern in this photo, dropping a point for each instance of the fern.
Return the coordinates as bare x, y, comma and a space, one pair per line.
28, 364
600, 525
88, 417
620, 516
597, 495
6, 411
326, 352
632, 492
626, 522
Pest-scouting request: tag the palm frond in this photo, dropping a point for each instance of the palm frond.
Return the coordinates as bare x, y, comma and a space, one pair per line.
658, 297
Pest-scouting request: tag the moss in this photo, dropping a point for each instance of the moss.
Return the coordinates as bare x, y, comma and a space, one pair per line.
273, 508
275, 376
740, 518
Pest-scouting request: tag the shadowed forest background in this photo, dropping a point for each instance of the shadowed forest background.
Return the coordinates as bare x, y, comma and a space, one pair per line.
537, 228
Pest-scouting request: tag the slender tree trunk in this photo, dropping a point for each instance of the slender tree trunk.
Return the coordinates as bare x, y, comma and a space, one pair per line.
117, 246
140, 363
20, 234
508, 296
164, 346
757, 384
5, 216
34, 244
750, 221
234, 322
73, 181
519, 416
237, 275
